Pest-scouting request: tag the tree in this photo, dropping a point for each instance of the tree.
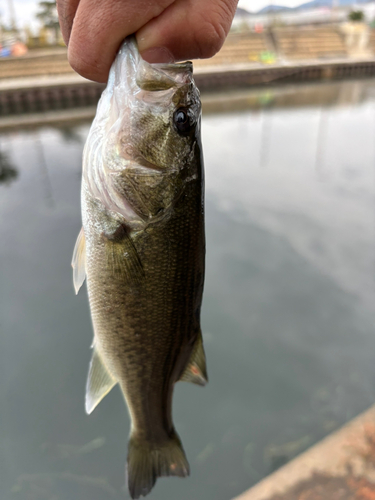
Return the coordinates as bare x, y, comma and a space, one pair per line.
48, 16
356, 15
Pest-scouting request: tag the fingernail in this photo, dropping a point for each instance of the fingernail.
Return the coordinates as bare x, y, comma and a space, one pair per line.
158, 55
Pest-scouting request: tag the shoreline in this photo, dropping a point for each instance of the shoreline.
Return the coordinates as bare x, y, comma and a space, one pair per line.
70, 91
343, 462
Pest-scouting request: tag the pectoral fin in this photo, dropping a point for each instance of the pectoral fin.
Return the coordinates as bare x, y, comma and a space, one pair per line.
195, 371
79, 261
99, 382
123, 260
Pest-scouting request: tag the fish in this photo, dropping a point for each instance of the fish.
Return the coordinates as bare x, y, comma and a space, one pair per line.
141, 250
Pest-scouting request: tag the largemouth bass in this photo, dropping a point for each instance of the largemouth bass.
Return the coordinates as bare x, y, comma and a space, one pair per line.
141, 249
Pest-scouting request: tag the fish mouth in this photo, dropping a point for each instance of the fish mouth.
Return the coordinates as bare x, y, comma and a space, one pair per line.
158, 77
181, 67
153, 76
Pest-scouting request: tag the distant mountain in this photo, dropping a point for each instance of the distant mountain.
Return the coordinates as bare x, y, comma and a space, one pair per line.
312, 4
242, 12
315, 4
273, 8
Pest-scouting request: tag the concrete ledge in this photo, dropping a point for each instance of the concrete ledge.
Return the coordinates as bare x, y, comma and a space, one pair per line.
33, 94
251, 74
47, 118
43, 81
202, 74
340, 467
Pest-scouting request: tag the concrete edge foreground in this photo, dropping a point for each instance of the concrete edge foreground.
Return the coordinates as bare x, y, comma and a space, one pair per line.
340, 466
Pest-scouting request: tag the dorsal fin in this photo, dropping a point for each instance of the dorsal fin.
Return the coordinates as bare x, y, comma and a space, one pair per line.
79, 261
195, 371
99, 382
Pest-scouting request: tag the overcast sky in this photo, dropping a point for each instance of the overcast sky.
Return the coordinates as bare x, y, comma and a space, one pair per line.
26, 9
255, 5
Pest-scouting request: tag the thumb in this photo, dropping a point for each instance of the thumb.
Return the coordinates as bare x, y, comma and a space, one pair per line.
187, 29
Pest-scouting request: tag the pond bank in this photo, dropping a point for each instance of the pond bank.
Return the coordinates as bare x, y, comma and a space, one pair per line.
289, 95
42, 93
341, 467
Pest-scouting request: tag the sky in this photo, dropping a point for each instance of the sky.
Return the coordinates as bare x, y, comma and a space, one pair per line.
255, 5
25, 10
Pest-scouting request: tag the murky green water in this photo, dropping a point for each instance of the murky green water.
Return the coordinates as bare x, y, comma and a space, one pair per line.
288, 313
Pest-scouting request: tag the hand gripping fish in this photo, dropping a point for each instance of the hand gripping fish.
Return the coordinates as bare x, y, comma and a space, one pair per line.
142, 249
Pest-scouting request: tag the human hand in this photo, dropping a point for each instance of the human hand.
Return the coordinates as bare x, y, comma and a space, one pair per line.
166, 30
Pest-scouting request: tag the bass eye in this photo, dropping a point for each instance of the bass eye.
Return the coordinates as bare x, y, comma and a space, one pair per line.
181, 121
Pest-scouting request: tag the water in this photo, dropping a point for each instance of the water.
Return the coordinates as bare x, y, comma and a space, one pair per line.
288, 309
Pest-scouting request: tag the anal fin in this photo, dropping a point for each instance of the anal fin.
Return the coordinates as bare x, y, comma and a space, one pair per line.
79, 261
99, 382
196, 371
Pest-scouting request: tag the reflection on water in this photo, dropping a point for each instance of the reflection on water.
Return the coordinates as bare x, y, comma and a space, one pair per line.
7, 172
288, 310
327, 94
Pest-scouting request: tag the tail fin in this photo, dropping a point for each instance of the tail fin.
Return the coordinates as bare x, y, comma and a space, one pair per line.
148, 461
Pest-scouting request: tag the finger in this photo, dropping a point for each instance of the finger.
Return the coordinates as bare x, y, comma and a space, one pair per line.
66, 10
100, 26
187, 29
